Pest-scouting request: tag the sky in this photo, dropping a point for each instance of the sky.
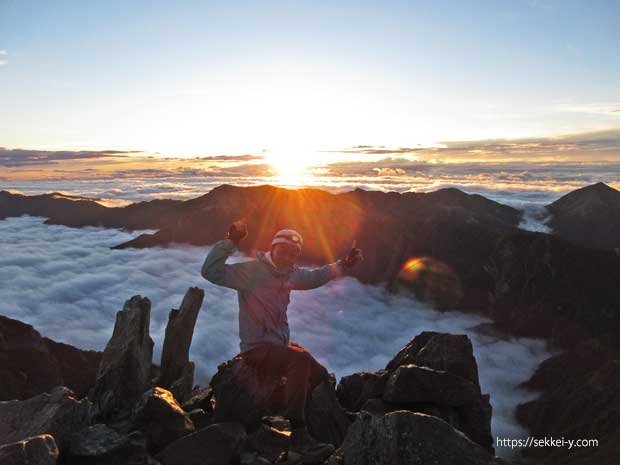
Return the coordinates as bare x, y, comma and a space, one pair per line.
203, 78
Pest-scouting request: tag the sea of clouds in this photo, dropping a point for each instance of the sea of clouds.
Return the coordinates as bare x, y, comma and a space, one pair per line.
69, 285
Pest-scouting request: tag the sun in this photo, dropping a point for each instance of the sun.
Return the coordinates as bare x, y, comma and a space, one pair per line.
291, 163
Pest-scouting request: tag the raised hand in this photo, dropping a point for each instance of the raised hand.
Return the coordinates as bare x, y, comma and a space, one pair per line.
354, 257
237, 231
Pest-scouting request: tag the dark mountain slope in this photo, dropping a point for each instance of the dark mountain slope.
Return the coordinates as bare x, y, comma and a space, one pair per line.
589, 216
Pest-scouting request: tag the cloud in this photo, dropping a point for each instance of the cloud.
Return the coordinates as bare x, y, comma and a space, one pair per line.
589, 146
595, 108
247, 157
21, 157
69, 285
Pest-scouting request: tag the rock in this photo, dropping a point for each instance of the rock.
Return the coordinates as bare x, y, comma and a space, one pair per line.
325, 418
96, 440
268, 442
125, 370
407, 355
439, 351
177, 372
201, 398
37, 450
199, 418
354, 390
242, 394
57, 413
449, 352
410, 384
31, 364
407, 438
161, 418
278, 422
217, 444
103, 445
446, 387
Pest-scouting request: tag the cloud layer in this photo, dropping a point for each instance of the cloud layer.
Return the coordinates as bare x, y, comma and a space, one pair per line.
69, 285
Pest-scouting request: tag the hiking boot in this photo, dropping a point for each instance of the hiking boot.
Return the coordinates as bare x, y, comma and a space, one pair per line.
305, 449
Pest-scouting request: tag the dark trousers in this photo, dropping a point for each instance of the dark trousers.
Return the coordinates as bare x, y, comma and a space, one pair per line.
302, 372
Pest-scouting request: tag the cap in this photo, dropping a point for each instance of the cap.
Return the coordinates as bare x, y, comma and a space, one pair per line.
288, 236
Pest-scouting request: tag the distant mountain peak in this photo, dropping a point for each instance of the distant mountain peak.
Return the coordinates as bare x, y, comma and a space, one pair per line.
600, 186
589, 216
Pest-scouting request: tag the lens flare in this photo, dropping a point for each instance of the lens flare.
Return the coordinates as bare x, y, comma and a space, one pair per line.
432, 280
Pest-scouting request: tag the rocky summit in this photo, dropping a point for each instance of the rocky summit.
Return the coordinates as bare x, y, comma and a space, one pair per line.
425, 407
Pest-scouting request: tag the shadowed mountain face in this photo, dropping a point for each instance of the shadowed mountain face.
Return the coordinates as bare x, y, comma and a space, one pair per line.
387, 226
31, 364
531, 283
78, 211
588, 216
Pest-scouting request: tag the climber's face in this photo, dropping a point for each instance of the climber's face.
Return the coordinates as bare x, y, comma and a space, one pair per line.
284, 255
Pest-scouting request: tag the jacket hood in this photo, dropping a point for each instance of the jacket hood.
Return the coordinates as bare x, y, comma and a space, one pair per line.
265, 258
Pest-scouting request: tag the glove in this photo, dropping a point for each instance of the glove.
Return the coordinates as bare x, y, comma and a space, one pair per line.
353, 258
237, 232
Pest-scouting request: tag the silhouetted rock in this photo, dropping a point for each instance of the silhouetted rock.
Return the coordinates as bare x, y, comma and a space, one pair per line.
413, 384
102, 445
201, 398
161, 418
57, 413
244, 394
589, 216
38, 450
268, 442
435, 374
406, 438
325, 418
31, 364
354, 390
241, 393
217, 444
439, 351
125, 370
177, 372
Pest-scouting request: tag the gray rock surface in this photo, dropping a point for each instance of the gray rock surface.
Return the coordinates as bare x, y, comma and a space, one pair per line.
102, 445
38, 450
161, 418
325, 418
415, 384
434, 374
407, 438
125, 370
57, 413
217, 444
177, 371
